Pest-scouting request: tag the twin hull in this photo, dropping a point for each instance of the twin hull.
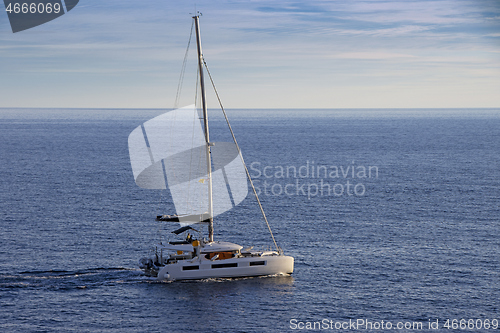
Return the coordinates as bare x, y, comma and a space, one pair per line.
228, 268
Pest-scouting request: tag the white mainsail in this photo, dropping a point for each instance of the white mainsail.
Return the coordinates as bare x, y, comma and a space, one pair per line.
170, 150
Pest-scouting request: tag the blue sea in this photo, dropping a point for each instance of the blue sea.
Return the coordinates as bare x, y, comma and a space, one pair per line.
393, 217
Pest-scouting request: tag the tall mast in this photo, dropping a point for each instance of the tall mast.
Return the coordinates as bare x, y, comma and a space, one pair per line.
205, 123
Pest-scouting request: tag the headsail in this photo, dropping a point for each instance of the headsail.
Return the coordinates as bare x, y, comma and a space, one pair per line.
170, 150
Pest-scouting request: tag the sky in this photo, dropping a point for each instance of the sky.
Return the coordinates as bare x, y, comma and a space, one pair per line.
261, 54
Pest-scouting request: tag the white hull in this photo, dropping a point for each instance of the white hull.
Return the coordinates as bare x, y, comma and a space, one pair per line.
204, 260
201, 268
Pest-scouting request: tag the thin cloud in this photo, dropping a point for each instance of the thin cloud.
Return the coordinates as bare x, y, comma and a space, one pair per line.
297, 50
370, 55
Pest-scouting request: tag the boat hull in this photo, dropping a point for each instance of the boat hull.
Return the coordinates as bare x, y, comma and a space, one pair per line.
200, 268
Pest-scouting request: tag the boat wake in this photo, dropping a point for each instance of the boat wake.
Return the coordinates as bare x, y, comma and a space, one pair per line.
67, 280
272, 278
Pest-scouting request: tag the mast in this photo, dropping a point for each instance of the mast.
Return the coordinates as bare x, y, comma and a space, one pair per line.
205, 123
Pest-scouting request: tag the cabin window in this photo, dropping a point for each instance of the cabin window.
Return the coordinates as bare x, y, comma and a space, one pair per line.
225, 265
257, 263
190, 268
222, 255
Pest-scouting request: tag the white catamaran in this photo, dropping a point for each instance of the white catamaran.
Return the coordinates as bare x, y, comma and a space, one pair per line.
205, 179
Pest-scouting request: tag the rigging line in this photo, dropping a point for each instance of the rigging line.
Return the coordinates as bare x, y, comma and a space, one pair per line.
196, 97
198, 101
176, 104
188, 203
183, 70
195, 114
242, 160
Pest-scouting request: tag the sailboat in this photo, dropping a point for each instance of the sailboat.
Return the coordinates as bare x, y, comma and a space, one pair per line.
205, 180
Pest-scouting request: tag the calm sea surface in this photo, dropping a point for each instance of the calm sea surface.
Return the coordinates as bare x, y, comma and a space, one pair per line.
391, 215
